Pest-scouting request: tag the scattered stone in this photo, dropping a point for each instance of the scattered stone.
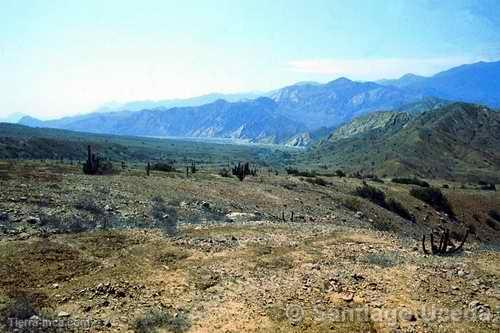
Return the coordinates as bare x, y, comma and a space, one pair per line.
348, 297
23, 236
63, 314
33, 220
357, 276
482, 310
408, 316
359, 214
238, 216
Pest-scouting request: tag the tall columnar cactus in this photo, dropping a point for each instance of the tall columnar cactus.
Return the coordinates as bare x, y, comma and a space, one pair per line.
242, 170
445, 245
91, 166
148, 169
193, 167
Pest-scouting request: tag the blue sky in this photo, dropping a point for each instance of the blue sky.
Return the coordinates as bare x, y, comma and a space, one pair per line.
66, 57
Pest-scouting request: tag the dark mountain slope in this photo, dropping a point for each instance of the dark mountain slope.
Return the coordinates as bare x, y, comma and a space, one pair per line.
458, 141
338, 101
255, 121
473, 83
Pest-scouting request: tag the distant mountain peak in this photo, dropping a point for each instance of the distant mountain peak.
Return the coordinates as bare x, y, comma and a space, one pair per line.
12, 118
30, 121
410, 76
340, 80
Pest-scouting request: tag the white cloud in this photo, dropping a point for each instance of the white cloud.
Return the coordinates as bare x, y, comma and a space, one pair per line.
374, 69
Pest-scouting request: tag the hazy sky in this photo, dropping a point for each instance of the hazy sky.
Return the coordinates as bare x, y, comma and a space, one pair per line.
62, 57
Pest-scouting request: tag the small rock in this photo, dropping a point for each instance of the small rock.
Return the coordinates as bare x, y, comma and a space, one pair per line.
348, 297
359, 214
33, 220
63, 314
377, 304
108, 208
474, 304
23, 236
55, 285
357, 276
409, 316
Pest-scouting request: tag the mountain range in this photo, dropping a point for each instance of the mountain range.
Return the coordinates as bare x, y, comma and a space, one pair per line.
291, 115
178, 102
13, 117
456, 141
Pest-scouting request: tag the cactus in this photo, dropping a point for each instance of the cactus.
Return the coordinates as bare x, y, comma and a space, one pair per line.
445, 245
193, 167
242, 170
92, 165
95, 165
148, 169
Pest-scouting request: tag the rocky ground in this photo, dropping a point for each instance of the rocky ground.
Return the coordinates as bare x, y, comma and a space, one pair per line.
76, 247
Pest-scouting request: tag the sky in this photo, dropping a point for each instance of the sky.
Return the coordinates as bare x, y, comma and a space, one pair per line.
65, 57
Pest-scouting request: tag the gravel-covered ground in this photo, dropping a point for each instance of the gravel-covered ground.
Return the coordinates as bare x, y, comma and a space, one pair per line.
107, 248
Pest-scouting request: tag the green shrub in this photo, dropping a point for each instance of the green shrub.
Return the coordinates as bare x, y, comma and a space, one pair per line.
411, 181
374, 178
295, 172
489, 187
340, 173
75, 224
352, 203
492, 224
398, 208
225, 173
165, 216
371, 193
162, 166
20, 308
433, 197
378, 197
156, 319
88, 204
317, 181
382, 259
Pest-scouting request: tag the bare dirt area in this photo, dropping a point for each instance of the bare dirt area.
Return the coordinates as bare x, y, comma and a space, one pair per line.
205, 253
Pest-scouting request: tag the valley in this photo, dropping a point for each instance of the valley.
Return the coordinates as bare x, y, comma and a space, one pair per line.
291, 115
